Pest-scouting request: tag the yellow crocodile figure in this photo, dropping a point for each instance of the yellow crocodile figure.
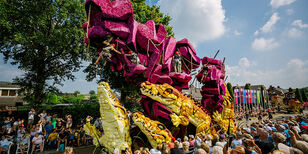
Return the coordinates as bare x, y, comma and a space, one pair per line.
185, 110
115, 121
227, 115
155, 131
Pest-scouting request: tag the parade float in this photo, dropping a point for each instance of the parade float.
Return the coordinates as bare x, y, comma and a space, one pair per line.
161, 67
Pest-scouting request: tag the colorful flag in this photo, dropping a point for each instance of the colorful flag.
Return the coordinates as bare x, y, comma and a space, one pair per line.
245, 98
249, 96
242, 96
258, 97
235, 96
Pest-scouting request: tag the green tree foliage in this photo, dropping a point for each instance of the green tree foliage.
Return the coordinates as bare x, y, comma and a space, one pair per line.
142, 13
230, 89
51, 98
298, 95
44, 39
290, 89
304, 95
92, 92
247, 86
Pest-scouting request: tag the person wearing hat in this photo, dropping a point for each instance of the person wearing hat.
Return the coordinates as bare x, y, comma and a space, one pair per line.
176, 149
263, 143
134, 57
237, 140
171, 143
191, 140
177, 64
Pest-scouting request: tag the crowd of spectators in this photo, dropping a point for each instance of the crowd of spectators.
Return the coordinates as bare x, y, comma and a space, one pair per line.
40, 132
283, 136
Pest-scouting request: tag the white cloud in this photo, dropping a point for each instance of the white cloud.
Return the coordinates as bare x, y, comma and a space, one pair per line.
293, 74
268, 27
294, 33
237, 33
198, 21
279, 3
299, 23
9, 73
244, 62
290, 11
256, 33
263, 44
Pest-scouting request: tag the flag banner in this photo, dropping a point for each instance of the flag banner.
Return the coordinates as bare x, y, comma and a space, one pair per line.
245, 99
242, 96
252, 96
249, 94
238, 96
258, 97
235, 96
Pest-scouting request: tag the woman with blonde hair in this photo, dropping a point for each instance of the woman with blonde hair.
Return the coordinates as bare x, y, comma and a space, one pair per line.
69, 150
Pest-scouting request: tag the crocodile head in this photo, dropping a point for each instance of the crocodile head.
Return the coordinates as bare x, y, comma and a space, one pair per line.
108, 101
155, 131
163, 93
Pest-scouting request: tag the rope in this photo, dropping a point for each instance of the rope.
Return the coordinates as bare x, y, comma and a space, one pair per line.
88, 48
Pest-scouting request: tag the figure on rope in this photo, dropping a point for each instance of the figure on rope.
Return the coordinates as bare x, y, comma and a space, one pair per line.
134, 57
177, 64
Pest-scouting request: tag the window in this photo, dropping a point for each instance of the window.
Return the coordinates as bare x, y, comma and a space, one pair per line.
12, 92
5, 93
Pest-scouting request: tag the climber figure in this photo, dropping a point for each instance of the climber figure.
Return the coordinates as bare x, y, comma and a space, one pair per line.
177, 64
134, 57
105, 55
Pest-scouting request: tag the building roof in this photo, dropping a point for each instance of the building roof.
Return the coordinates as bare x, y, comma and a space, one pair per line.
4, 84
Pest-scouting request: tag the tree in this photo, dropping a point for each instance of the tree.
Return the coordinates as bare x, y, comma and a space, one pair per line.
92, 92
247, 86
142, 13
44, 38
304, 95
230, 89
298, 95
76, 92
290, 89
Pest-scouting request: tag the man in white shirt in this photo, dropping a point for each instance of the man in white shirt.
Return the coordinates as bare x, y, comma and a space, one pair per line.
31, 118
37, 141
43, 116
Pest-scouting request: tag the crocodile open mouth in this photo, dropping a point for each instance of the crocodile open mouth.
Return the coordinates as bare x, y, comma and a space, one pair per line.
157, 94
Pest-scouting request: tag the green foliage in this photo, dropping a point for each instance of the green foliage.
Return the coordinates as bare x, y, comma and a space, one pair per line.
304, 95
92, 92
247, 86
298, 95
44, 38
290, 89
144, 12
71, 99
52, 98
230, 89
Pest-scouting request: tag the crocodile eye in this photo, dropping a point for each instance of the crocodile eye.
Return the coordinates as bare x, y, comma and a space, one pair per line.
169, 90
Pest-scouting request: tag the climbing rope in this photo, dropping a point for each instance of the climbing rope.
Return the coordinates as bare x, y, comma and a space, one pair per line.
88, 48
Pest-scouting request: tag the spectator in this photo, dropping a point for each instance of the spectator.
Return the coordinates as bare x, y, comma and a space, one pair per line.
4, 144
156, 150
177, 149
48, 128
37, 141
191, 140
43, 116
81, 137
24, 143
52, 139
48, 118
62, 139
54, 120
31, 117
69, 121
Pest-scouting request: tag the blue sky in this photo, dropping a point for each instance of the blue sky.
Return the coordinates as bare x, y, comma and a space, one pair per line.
264, 41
